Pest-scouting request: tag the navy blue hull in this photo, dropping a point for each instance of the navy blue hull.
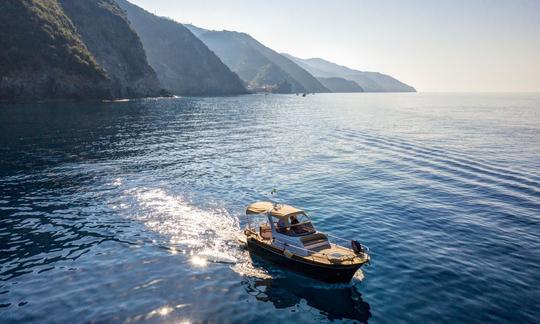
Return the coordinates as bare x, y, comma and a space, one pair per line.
327, 273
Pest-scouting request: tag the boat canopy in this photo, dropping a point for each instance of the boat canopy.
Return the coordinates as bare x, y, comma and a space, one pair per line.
277, 210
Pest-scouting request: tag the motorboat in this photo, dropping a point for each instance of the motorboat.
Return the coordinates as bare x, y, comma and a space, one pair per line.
286, 236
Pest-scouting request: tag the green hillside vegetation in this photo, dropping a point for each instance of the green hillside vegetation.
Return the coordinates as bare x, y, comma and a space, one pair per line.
42, 56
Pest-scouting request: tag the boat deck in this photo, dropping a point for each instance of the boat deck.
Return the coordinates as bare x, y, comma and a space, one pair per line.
327, 255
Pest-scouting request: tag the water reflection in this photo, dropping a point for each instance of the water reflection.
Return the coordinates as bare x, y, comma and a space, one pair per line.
333, 301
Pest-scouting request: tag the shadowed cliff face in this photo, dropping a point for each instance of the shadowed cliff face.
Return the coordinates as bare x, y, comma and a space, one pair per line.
184, 65
106, 32
43, 57
71, 49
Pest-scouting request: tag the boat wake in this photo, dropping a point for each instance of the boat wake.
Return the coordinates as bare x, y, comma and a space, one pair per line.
204, 235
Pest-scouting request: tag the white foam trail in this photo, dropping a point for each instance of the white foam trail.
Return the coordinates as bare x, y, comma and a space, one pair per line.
217, 256
185, 227
206, 235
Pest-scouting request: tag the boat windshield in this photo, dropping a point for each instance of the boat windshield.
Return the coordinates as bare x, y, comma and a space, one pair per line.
300, 225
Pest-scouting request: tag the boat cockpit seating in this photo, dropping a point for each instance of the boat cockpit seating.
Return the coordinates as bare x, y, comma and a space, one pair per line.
265, 232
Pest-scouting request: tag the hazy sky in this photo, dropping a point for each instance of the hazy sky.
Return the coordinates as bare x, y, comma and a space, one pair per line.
434, 45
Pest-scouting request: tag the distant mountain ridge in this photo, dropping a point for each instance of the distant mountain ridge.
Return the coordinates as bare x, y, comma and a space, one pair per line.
184, 65
112, 49
369, 81
258, 65
336, 84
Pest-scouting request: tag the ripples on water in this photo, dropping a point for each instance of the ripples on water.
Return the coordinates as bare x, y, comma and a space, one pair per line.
130, 211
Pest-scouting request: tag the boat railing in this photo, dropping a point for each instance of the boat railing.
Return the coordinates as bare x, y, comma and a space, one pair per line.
345, 240
311, 253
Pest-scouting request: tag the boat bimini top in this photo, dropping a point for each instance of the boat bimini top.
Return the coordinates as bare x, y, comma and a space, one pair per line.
280, 211
290, 220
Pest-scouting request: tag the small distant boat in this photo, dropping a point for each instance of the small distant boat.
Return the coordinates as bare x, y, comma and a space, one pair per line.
288, 238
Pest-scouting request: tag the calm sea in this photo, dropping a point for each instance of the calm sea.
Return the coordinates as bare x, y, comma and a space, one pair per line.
130, 211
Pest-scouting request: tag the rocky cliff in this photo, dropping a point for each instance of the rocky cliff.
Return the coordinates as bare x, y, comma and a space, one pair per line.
70, 49
43, 57
105, 30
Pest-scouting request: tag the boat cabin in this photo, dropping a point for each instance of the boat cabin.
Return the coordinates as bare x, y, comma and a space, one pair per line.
286, 227
286, 236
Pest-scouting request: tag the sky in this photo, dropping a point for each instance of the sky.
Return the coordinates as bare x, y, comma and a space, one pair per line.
433, 45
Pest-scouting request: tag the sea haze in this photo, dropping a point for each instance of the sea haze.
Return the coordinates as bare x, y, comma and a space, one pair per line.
130, 211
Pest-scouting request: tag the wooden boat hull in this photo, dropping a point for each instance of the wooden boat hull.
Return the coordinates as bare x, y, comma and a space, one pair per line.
329, 273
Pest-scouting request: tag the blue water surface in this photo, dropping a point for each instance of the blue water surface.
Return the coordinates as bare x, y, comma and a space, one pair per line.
130, 211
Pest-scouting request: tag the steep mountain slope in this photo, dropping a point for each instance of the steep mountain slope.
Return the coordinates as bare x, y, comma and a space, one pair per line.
183, 64
256, 64
105, 30
197, 31
308, 81
43, 57
322, 67
383, 82
369, 81
336, 84
252, 67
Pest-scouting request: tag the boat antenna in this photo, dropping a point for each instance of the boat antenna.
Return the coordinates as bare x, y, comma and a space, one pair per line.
273, 193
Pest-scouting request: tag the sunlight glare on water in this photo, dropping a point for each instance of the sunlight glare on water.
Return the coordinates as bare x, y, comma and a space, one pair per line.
207, 235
